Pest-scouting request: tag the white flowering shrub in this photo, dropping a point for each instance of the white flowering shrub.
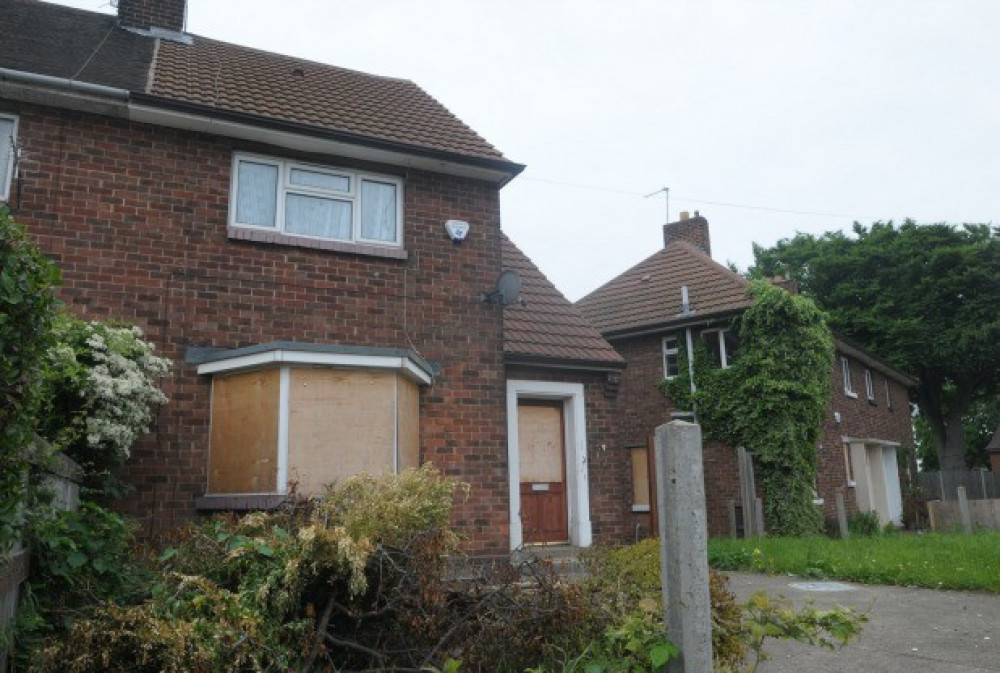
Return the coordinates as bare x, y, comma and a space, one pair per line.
104, 389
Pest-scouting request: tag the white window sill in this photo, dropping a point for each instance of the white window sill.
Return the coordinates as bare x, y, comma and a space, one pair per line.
640, 508
851, 394
278, 238
850, 484
818, 501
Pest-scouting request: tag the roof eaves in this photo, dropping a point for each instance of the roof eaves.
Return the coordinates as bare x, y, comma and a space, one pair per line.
564, 363
693, 319
848, 348
508, 168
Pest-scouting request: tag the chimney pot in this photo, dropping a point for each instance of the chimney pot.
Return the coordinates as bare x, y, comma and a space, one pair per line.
685, 215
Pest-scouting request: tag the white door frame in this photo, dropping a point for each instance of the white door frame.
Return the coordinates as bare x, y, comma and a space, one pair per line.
575, 428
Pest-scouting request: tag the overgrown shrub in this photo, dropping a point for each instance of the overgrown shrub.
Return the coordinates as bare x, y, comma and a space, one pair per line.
357, 580
864, 524
27, 309
101, 388
771, 399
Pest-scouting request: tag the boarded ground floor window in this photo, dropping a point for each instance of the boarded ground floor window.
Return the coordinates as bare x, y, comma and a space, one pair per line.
640, 478
305, 427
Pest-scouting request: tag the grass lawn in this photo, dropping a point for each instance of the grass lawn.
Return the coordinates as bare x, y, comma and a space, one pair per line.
931, 560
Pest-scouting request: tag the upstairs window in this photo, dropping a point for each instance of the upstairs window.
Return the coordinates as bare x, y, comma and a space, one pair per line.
870, 386
721, 346
845, 368
888, 395
671, 365
316, 201
8, 138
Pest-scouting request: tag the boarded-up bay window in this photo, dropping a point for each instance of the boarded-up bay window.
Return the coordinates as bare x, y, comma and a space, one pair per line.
309, 427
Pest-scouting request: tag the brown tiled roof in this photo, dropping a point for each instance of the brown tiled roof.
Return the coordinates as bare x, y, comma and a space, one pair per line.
59, 41
994, 444
43, 38
548, 326
243, 80
649, 294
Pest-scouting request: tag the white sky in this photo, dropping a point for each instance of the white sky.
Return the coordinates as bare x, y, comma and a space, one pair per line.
866, 109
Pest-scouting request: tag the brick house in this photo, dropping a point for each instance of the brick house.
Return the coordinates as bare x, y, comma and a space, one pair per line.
285, 231
679, 296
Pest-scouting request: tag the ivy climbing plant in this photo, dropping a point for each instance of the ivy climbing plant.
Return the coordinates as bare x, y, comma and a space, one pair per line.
27, 309
771, 399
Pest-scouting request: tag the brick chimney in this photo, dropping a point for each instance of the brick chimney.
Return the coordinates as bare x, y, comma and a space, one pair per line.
168, 15
694, 230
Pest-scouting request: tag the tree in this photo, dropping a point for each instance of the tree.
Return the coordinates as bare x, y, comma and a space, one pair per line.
924, 297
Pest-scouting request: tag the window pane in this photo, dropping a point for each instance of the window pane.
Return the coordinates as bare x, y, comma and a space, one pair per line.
378, 211
313, 216
6, 152
257, 201
334, 183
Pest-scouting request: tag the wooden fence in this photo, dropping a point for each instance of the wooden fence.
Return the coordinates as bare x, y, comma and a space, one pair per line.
62, 477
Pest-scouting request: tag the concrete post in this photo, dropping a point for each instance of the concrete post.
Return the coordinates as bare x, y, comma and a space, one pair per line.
684, 545
963, 510
842, 516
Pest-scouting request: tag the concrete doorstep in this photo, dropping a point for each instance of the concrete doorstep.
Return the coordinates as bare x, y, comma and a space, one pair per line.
909, 630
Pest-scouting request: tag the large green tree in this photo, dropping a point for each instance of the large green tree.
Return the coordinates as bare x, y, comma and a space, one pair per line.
925, 297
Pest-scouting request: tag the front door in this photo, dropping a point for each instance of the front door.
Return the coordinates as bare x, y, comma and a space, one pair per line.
541, 445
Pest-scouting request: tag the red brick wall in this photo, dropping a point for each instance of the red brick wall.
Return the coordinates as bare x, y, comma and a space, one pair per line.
145, 14
136, 218
861, 419
608, 460
644, 408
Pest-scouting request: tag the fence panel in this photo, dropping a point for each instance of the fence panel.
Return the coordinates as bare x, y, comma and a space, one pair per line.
979, 484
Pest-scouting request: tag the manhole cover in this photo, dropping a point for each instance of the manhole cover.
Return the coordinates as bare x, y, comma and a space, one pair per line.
821, 586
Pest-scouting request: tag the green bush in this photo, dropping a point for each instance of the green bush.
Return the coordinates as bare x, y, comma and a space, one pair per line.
864, 524
27, 309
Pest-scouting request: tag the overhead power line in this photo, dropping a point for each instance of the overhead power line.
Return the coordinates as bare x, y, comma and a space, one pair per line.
724, 204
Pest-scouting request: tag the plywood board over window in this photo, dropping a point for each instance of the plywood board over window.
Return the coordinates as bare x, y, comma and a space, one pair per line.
407, 422
243, 456
341, 423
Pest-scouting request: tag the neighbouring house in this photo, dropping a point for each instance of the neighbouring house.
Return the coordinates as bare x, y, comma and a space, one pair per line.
993, 451
318, 251
679, 296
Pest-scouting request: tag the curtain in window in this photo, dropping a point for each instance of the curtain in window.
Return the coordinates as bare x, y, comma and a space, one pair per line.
257, 201
6, 152
378, 211
313, 216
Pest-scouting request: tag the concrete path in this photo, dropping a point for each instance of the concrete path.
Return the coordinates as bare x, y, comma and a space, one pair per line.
911, 630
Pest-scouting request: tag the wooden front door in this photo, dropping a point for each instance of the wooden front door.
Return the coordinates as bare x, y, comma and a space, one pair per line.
542, 452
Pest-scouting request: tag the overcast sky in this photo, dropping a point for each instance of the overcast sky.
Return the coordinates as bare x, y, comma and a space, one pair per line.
838, 110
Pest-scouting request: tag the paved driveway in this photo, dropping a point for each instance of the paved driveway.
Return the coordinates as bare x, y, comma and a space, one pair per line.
911, 630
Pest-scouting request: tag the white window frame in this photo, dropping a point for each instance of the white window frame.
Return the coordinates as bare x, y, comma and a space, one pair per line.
720, 347
870, 385
7, 172
285, 187
668, 351
845, 368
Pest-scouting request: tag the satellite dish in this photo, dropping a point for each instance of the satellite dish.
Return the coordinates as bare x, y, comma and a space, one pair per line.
505, 291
